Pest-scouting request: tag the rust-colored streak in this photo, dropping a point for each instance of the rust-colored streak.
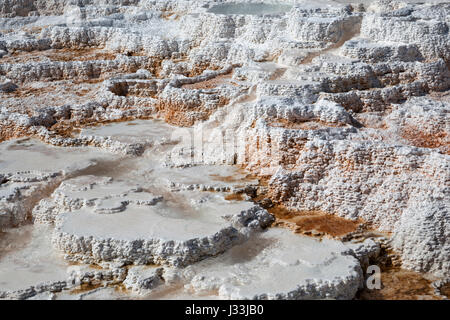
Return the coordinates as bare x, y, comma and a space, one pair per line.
85, 287
208, 84
313, 222
63, 55
234, 197
423, 139
184, 114
399, 284
445, 290
302, 125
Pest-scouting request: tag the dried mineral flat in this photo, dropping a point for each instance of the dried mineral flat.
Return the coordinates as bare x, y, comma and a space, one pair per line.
36, 156
137, 227
161, 221
277, 264
157, 132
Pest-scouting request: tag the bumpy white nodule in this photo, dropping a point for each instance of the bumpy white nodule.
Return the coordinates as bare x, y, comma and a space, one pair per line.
343, 105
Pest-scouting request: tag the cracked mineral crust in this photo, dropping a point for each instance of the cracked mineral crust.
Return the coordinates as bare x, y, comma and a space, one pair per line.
236, 149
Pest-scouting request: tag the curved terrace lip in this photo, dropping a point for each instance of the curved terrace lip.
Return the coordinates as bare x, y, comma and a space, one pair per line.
224, 149
253, 9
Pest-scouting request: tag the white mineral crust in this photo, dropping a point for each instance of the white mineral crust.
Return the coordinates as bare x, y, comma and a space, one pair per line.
130, 128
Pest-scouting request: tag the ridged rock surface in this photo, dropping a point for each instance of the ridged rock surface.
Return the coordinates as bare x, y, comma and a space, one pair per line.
144, 131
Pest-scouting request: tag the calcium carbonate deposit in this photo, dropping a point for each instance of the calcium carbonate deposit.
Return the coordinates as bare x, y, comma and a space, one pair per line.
215, 149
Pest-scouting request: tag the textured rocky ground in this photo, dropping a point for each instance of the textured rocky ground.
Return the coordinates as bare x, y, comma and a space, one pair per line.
168, 149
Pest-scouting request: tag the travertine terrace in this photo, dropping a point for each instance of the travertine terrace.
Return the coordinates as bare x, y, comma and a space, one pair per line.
170, 149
